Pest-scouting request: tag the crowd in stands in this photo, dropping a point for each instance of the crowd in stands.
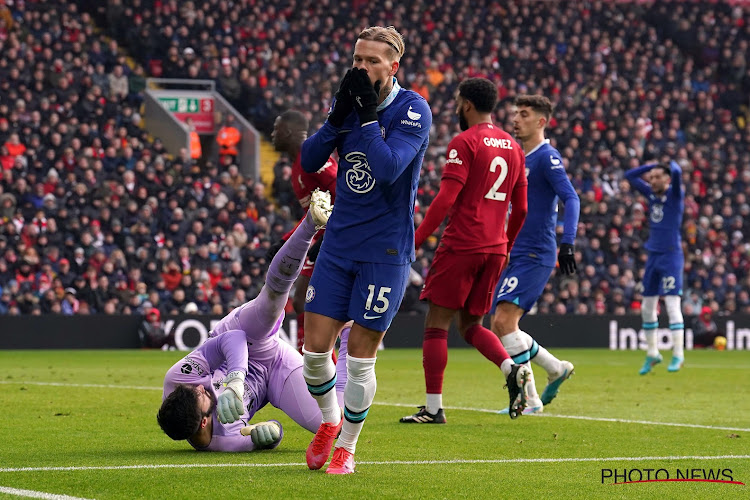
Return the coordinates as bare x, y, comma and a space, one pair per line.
96, 218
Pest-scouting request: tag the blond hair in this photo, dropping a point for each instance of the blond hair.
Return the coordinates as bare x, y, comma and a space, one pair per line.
387, 35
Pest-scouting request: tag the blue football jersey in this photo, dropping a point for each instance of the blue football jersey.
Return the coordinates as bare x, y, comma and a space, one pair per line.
548, 182
665, 210
376, 185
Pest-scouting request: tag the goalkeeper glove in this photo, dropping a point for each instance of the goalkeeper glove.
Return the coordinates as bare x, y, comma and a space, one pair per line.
229, 405
567, 259
342, 106
364, 96
263, 434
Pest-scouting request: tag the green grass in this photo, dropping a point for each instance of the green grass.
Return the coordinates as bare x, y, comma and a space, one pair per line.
79, 424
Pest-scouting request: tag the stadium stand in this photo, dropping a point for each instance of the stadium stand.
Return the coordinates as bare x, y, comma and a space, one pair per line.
95, 217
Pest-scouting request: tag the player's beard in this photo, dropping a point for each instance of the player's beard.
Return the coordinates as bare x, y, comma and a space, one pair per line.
462, 121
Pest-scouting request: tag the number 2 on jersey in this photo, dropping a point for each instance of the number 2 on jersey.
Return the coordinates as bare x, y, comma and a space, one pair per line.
493, 193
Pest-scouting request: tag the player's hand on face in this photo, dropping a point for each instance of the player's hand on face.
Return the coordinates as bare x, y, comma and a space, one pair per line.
567, 259
342, 106
364, 95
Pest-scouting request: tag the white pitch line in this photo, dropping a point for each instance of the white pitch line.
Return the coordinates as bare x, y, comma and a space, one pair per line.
458, 461
37, 494
93, 386
405, 405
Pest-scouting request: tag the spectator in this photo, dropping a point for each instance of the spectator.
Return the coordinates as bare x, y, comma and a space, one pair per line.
151, 331
704, 328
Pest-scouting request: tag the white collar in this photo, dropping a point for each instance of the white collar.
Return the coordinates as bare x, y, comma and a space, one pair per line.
391, 96
545, 141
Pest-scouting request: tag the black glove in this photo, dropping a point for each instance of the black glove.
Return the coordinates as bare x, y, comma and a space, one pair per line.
312, 254
567, 259
364, 96
274, 249
342, 107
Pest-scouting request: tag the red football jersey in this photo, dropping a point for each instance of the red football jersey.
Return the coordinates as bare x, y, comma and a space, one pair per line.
304, 184
491, 165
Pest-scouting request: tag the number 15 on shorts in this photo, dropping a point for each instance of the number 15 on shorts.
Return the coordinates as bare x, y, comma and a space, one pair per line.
380, 304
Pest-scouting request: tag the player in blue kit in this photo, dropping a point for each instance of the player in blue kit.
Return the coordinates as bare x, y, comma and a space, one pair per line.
381, 133
534, 253
665, 263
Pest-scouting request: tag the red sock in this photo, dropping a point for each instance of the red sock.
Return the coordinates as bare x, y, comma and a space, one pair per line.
434, 358
487, 343
300, 331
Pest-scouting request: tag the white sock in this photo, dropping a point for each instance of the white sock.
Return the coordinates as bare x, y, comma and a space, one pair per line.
678, 341
676, 324
533, 394
653, 350
650, 319
517, 344
434, 403
320, 375
542, 357
358, 395
506, 366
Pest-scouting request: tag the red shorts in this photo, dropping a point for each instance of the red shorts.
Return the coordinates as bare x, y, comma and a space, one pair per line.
463, 281
309, 265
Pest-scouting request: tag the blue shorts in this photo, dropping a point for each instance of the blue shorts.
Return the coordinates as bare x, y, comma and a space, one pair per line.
521, 283
663, 275
368, 293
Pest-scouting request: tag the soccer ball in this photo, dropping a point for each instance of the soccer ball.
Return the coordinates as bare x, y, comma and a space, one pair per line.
720, 343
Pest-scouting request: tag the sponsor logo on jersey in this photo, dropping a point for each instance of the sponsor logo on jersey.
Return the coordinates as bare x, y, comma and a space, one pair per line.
413, 115
191, 366
556, 163
657, 212
412, 123
359, 177
310, 294
453, 157
322, 169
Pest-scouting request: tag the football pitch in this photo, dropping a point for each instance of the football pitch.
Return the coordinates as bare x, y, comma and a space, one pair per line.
82, 424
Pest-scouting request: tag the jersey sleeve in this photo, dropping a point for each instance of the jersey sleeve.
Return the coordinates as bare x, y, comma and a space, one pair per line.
318, 147
634, 177
676, 172
388, 158
229, 349
324, 178
234, 442
459, 159
561, 185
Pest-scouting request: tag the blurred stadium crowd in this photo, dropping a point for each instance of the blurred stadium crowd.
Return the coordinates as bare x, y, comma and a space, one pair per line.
97, 218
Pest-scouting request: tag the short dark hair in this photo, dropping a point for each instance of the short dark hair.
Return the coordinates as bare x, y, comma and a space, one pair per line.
663, 166
295, 119
481, 92
179, 416
538, 103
